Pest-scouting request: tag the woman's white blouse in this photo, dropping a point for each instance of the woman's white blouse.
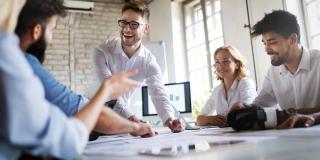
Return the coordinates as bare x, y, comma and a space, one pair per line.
242, 90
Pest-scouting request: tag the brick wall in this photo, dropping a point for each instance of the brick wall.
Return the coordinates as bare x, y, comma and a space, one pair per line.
68, 57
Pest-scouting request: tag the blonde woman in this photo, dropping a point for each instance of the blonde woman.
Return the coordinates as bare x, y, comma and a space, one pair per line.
235, 87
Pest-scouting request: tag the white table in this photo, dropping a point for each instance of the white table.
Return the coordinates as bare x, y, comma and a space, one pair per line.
289, 144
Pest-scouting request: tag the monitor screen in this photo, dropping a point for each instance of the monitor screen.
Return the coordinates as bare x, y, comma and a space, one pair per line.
178, 94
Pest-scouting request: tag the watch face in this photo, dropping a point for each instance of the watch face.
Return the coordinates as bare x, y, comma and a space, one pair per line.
111, 103
291, 111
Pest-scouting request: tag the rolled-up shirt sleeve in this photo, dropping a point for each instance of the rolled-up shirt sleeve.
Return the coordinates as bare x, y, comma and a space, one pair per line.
122, 108
55, 92
157, 92
83, 102
28, 122
266, 97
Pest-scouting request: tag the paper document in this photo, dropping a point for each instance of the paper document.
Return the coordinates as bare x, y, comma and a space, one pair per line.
126, 145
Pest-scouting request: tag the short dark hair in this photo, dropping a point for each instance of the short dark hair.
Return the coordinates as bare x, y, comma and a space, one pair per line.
278, 21
137, 6
38, 12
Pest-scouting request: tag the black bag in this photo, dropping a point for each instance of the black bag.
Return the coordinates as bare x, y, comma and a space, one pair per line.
247, 119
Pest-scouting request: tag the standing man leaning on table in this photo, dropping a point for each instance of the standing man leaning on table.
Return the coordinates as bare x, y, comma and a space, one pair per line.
293, 80
128, 52
28, 122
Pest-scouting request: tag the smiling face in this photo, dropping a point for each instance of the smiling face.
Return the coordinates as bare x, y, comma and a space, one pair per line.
131, 37
225, 65
277, 47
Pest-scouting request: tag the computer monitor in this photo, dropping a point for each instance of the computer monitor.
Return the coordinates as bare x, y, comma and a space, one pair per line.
178, 94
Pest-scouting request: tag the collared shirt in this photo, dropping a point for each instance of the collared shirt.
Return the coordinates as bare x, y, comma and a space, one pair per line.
298, 90
110, 58
242, 90
27, 121
55, 92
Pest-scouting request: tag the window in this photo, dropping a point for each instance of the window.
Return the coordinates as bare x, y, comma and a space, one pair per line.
203, 30
312, 17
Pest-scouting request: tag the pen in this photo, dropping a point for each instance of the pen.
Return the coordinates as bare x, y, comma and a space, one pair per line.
188, 126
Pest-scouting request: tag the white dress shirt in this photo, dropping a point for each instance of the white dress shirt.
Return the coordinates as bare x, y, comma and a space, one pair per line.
110, 58
242, 90
299, 90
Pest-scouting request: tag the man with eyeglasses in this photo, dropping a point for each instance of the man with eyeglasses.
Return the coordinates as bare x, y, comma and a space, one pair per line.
128, 52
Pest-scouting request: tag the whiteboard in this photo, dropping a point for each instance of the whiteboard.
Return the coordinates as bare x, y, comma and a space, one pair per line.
158, 49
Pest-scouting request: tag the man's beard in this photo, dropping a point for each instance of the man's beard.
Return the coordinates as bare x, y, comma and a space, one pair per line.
38, 49
279, 61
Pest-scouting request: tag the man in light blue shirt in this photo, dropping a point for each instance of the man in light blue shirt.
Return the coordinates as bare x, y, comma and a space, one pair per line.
28, 122
31, 124
55, 92
44, 15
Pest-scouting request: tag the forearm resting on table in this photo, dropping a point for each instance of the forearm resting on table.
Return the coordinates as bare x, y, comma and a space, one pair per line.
204, 120
216, 120
110, 122
314, 112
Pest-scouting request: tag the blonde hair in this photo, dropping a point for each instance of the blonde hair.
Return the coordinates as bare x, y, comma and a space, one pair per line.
237, 57
9, 11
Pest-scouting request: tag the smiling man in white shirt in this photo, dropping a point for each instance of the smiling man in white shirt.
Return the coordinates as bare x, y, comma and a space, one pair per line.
293, 80
128, 52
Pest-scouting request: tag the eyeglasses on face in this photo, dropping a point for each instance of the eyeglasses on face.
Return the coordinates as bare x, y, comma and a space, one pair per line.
222, 63
132, 24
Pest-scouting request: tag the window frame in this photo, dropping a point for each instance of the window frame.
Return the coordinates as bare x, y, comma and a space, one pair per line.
307, 24
187, 6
